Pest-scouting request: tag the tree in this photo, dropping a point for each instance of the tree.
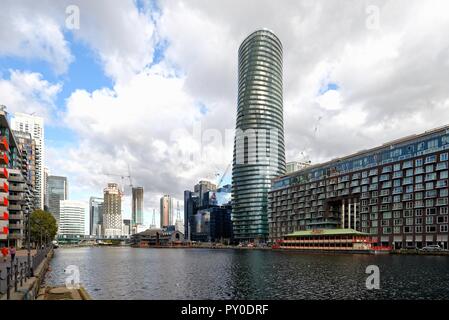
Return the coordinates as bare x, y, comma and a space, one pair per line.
43, 226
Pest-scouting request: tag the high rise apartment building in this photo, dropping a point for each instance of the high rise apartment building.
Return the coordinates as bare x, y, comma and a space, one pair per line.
259, 153
166, 210
112, 210
35, 126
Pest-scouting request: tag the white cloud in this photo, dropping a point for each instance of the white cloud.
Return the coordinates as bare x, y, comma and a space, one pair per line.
28, 92
391, 82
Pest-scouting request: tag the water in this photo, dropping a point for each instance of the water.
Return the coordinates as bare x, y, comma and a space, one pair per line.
130, 273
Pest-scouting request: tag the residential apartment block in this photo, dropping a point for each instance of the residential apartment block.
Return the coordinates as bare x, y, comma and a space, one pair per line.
397, 192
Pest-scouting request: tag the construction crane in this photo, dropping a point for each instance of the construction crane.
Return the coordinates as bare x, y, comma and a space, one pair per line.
122, 177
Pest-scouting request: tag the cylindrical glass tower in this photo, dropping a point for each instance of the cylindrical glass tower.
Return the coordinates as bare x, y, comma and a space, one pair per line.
259, 153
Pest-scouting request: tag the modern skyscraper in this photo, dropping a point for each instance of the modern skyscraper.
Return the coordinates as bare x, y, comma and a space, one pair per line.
57, 189
71, 219
259, 153
137, 207
166, 211
96, 216
46, 174
202, 187
112, 210
35, 126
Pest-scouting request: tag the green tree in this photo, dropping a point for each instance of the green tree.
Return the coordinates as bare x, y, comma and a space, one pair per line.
43, 227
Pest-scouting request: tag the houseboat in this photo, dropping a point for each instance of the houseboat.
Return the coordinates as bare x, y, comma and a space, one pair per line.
330, 240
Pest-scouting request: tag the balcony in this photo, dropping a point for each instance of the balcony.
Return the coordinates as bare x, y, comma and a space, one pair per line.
16, 216
15, 226
4, 173
16, 178
4, 145
17, 188
4, 158
15, 236
15, 207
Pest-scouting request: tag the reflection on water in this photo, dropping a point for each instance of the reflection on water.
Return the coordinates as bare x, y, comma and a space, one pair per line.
129, 273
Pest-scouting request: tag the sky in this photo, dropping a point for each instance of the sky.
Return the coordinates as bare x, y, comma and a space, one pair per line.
152, 85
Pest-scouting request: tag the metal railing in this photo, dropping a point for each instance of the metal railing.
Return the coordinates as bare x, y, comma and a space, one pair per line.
19, 272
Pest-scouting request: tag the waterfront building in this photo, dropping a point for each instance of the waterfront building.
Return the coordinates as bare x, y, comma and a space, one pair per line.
96, 216
293, 166
159, 237
35, 126
71, 218
112, 211
57, 188
212, 224
166, 211
397, 193
259, 153
15, 200
137, 208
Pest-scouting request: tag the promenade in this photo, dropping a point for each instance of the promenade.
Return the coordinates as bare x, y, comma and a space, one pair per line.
27, 286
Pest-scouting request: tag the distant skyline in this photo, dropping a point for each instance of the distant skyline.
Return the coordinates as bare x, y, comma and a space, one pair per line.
127, 88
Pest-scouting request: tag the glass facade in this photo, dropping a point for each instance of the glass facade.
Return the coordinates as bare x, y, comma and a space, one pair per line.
397, 192
259, 153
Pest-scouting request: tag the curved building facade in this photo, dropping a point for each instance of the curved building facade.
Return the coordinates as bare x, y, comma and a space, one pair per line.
259, 152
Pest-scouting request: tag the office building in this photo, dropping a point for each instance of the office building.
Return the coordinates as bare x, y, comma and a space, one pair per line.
137, 208
57, 190
259, 153
397, 193
166, 211
112, 211
71, 219
96, 216
35, 126
46, 174
202, 187
126, 227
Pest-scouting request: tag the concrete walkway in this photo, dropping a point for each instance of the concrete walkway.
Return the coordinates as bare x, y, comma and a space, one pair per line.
21, 256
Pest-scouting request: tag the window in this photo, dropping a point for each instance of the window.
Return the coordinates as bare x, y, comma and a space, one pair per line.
442, 219
386, 230
444, 156
431, 229
444, 210
444, 174
418, 212
408, 230
397, 167
418, 162
407, 164
429, 220
418, 220
396, 214
429, 168
397, 230
431, 159
398, 222
418, 229
431, 211
443, 228
409, 173
386, 215
418, 179
409, 221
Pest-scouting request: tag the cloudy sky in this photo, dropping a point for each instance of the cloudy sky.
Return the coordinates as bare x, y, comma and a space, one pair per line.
153, 84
